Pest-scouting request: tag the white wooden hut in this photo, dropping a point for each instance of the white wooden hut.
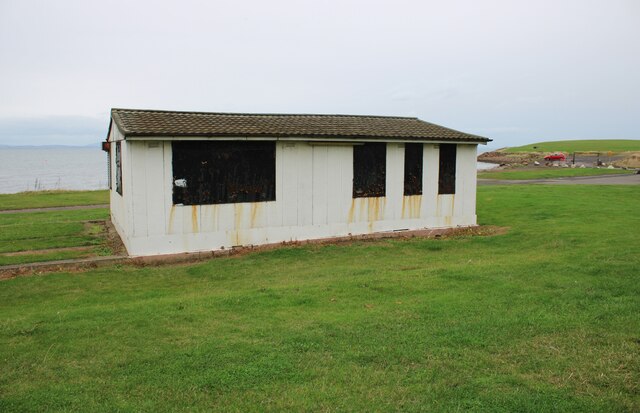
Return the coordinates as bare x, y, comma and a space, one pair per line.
192, 181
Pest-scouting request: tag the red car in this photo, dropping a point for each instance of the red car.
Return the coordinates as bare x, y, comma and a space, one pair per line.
557, 156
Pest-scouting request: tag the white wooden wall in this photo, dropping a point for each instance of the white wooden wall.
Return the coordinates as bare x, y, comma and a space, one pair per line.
313, 200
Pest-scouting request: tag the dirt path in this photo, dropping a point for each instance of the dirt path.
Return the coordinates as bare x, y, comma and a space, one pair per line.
77, 264
62, 208
47, 251
631, 179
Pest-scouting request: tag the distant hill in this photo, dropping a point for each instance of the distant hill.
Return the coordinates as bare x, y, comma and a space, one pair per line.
592, 145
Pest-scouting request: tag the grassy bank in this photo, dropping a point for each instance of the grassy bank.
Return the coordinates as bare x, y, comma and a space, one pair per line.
593, 145
544, 318
52, 235
45, 199
547, 173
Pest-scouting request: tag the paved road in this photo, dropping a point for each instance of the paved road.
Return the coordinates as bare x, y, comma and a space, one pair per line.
631, 179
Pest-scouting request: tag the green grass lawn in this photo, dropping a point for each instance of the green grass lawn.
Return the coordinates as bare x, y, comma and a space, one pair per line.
23, 236
544, 318
595, 145
43, 199
544, 173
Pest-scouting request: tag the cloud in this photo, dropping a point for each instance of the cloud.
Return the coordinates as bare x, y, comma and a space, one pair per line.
552, 68
404, 95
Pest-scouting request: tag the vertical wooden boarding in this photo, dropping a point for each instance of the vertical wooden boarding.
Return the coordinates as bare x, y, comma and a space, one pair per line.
289, 200
467, 176
472, 187
225, 215
346, 179
320, 185
273, 211
304, 166
430, 180
459, 199
339, 183
127, 186
209, 215
394, 181
154, 164
137, 186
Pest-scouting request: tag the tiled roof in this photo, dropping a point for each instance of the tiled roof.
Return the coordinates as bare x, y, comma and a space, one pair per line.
143, 123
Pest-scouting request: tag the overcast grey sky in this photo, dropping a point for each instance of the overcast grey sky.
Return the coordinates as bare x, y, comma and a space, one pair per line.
514, 71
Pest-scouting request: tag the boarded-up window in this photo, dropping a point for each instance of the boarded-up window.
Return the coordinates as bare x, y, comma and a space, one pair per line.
223, 172
118, 157
413, 153
447, 174
369, 169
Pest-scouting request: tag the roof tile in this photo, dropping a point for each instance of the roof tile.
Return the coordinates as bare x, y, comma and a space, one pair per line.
140, 123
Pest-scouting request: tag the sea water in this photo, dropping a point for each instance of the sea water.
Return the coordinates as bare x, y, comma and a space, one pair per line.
50, 168
483, 166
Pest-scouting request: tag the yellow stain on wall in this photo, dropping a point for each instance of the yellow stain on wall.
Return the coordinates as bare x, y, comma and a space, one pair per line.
446, 215
194, 218
237, 218
448, 218
411, 206
211, 212
369, 209
172, 212
351, 211
256, 208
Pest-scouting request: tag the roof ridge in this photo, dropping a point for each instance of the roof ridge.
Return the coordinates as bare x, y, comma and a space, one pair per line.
115, 110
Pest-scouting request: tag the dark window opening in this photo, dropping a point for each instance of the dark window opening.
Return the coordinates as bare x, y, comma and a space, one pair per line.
223, 172
369, 170
413, 153
119, 168
447, 173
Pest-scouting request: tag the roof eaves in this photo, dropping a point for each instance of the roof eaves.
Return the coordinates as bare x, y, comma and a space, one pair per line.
467, 138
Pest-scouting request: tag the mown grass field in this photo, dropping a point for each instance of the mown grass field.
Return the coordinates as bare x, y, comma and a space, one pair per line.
547, 173
544, 318
45, 199
52, 235
593, 145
